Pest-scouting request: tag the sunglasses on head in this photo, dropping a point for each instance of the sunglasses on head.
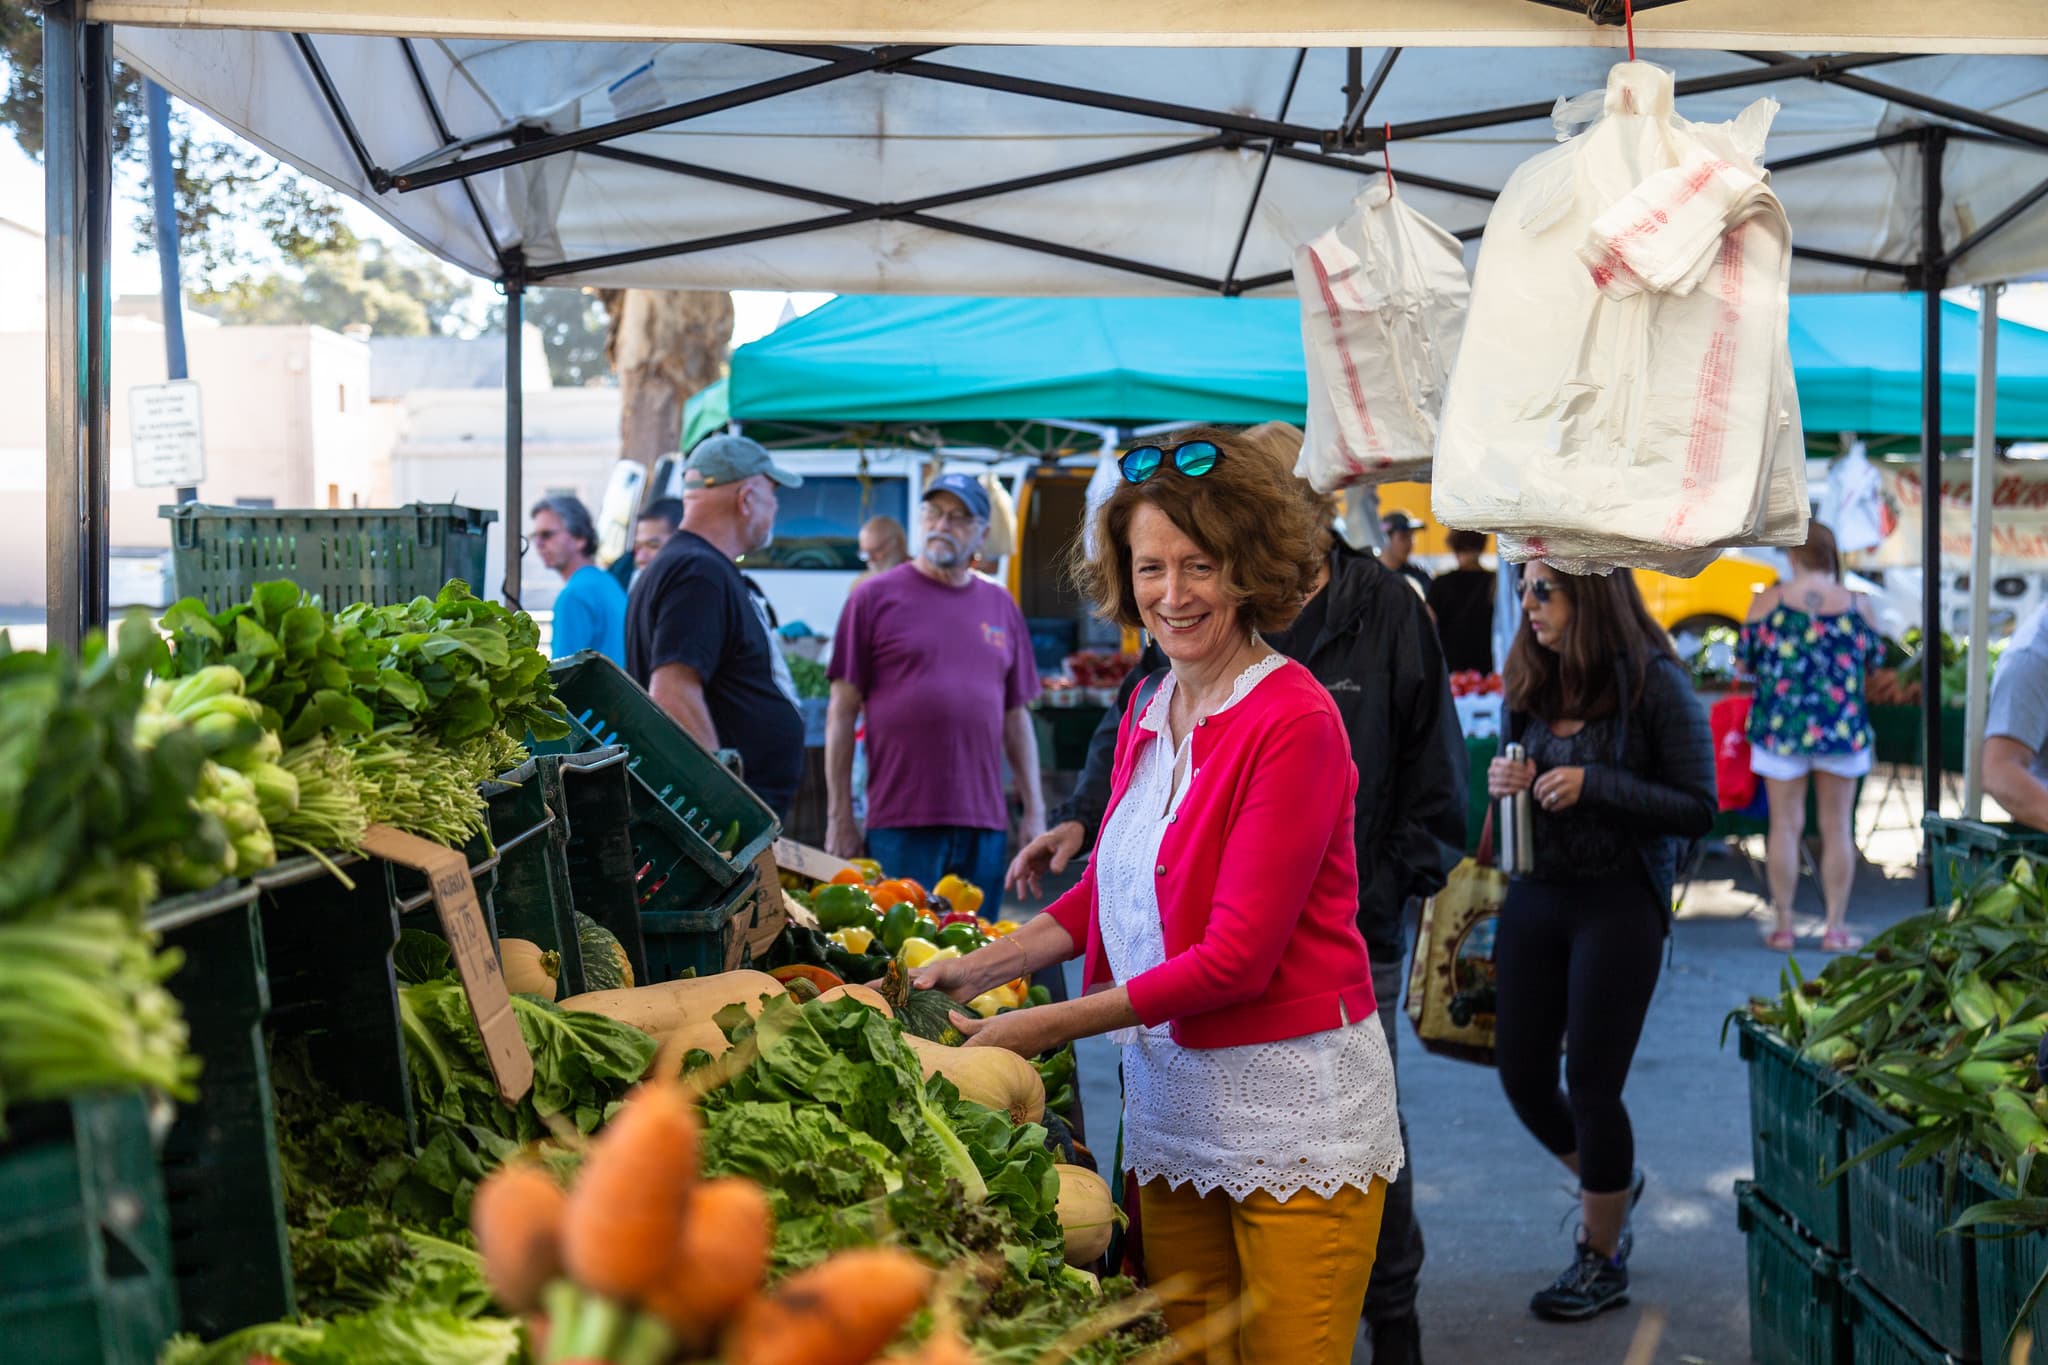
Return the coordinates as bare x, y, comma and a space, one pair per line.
1542, 589
1192, 458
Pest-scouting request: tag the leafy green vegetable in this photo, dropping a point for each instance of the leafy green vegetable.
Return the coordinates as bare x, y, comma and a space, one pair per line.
392, 1335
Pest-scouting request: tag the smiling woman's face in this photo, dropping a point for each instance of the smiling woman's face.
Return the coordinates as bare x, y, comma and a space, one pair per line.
1179, 590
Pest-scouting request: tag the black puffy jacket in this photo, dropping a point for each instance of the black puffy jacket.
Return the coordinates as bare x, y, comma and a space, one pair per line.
1378, 656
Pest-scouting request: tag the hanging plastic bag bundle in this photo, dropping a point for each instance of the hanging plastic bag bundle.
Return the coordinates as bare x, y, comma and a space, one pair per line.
1383, 298
1623, 393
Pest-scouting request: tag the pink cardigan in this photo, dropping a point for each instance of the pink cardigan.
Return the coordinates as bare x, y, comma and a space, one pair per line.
1258, 877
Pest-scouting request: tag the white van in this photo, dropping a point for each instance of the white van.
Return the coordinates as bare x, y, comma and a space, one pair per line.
815, 558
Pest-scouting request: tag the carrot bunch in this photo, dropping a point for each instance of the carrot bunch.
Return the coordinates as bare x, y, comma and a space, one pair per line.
640, 1262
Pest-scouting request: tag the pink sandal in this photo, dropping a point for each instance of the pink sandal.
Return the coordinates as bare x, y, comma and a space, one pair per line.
1779, 940
1840, 941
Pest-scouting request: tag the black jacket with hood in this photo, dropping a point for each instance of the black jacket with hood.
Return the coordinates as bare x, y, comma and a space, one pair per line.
1378, 656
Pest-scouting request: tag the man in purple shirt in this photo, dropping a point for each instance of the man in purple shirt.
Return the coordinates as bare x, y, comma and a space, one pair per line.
940, 661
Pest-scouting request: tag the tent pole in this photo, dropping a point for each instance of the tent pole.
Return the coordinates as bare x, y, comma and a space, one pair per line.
77, 203
515, 433
1983, 475
1933, 143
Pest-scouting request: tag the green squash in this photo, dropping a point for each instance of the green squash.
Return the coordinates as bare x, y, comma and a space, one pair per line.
605, 967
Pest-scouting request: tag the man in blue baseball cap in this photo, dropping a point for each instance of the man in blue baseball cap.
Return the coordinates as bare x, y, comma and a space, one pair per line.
698, 635
940, 660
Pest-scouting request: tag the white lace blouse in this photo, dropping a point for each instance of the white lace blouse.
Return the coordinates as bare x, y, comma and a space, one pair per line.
1315, 1112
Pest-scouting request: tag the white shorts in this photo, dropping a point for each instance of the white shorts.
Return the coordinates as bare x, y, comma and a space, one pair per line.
1785, 767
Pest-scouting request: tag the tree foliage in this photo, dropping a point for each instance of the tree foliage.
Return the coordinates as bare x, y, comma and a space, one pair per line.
394, 290
572, 325
232, 201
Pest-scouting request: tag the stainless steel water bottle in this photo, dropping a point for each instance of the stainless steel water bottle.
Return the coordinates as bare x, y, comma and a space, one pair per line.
1516, 820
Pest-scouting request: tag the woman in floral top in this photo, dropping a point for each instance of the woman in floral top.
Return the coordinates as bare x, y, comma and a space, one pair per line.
1808, 645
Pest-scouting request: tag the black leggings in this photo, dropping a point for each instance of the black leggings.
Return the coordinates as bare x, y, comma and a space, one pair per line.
1576, 963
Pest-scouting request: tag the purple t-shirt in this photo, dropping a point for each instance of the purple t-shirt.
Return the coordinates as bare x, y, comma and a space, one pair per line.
939, 667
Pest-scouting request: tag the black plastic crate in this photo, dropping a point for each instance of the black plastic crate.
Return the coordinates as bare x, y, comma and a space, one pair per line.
591, 794
1796, 1127
531, 896
1896, 1217
1796, 1313
331, 979
222, 1182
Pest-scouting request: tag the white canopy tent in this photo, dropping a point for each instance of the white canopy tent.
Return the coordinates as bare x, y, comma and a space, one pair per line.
1012, 148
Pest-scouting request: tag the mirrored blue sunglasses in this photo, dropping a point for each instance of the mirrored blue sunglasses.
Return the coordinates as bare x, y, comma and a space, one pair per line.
1194, 459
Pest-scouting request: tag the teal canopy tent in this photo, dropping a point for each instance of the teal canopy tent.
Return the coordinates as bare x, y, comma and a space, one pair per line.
971, 371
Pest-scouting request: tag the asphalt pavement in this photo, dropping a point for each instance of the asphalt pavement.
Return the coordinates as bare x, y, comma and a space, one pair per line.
1498, 1212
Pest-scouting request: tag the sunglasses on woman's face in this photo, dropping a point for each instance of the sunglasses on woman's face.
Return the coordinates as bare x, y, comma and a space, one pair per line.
1542, 589
1194, 459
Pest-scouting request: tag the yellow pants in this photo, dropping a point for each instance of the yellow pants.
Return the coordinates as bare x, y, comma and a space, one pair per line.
1293, 1275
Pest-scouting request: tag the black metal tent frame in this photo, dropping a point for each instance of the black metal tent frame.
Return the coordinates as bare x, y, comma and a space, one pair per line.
77, 75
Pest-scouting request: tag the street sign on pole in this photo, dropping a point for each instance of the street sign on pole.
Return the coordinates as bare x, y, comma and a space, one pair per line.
164, 434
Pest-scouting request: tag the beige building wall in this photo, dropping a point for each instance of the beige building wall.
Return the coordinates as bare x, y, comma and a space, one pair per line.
285, 412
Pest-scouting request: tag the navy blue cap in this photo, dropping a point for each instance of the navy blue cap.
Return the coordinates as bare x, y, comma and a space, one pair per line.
965, 487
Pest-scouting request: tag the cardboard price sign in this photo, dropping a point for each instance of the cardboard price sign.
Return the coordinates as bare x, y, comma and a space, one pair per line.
462, 922
806, 861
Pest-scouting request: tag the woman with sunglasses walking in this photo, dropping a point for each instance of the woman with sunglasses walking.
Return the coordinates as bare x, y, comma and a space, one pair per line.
1621, 766
1219, 921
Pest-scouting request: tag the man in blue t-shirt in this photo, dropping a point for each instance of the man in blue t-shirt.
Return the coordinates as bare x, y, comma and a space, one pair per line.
590, 610
698, 639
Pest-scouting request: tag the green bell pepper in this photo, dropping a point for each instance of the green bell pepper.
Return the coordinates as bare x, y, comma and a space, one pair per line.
842, 907
902, 922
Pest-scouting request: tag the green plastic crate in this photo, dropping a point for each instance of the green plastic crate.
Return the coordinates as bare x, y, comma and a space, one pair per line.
222, 1182
1896, 1215
81, 1202
126, 1323
2007, 1269
684, 800
695, 942
1967, 852
1795, 1127
342, 556
591, 794
1796, 1315
1879, 1334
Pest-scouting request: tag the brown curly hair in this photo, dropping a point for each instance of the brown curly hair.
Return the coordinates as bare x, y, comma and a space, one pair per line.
1248, 512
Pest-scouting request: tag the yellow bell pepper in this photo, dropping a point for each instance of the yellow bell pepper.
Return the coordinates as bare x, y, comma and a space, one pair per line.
920, 952
999, 928
961, 895
854, 939
869, 868
988, 1003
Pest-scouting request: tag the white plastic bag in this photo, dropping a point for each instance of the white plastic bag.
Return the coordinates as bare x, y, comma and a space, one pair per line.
1623, 391
1853, 503
1383, 299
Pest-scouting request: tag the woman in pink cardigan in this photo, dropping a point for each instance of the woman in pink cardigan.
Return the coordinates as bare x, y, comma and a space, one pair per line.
1219, 920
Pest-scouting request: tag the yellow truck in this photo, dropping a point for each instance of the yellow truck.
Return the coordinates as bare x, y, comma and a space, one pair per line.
1687, 607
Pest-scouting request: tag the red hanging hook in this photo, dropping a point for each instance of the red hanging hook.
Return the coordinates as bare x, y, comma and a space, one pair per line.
1628, 14
1387, 155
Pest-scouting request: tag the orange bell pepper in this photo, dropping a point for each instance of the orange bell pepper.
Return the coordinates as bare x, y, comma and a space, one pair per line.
847, 876
896, 889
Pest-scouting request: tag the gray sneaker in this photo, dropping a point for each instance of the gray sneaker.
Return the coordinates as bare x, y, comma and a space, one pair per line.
1592, 1285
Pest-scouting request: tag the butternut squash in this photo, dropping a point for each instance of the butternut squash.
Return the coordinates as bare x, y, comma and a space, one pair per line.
529, 968
676, 1045
867, 995
1087, 1214
662, 1009
992, 1076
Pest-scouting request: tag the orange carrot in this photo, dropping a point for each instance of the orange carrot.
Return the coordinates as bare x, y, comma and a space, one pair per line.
517, 1217
625, 1211
839, 1312
727, 1231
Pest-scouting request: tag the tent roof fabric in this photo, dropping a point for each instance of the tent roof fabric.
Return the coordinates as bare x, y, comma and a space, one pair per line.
961, 363
1893, 25
1086, 171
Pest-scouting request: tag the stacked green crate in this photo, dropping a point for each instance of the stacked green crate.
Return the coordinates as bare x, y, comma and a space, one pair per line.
85, 1255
